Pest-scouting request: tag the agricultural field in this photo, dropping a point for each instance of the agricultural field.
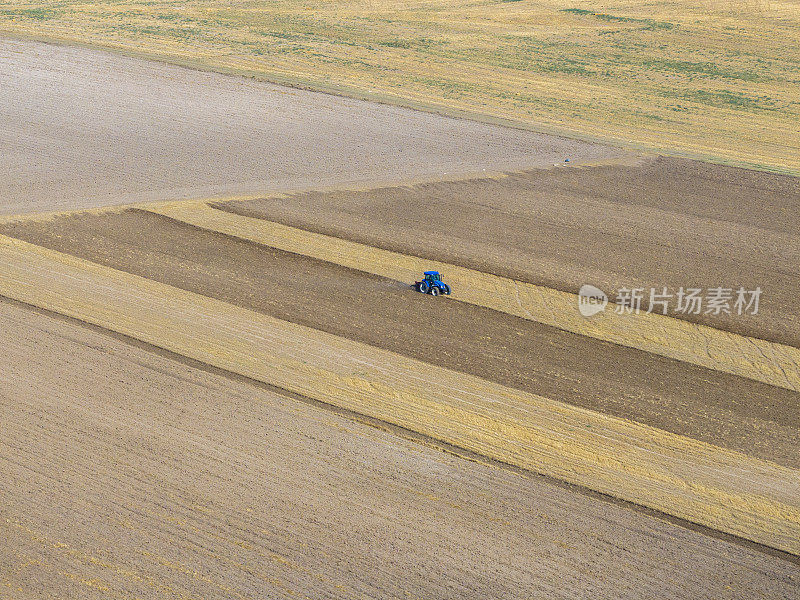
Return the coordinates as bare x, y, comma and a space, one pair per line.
702, 447
216, 377
655, 221
714, 78
180, 495
383, 312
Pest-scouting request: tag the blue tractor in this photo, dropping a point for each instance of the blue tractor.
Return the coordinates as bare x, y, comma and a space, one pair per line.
432, 284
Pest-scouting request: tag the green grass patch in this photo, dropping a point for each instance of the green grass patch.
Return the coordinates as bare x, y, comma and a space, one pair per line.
703, 68
35, 14
403, 44
648, 23
724, 99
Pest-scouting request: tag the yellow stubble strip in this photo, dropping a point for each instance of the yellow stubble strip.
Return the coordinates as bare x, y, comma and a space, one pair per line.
760, 360
719, 488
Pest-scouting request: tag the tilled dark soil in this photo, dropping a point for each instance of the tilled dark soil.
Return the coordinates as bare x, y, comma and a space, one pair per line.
666, 223
730, 411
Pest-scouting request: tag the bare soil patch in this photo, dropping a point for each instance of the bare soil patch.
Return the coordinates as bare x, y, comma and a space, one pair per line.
666, 223
82, 128
726, 410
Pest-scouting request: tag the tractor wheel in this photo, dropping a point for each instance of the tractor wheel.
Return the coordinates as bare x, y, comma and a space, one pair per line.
423, 287
446, 290
434, 291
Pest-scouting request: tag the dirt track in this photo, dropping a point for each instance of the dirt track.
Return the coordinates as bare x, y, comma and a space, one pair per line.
669, 222
722, 409
132, 474
81, 128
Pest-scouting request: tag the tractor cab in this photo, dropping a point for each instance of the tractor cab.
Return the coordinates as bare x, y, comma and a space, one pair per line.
432, 276
432, 284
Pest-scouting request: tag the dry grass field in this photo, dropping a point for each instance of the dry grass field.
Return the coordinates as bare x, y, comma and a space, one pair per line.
215, 286
711, 78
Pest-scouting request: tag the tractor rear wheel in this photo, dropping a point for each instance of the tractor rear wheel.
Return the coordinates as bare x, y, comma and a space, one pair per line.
423, 287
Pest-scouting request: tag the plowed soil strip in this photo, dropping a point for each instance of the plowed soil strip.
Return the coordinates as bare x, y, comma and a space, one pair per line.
724, 490
772, 363
659, 222
725, 410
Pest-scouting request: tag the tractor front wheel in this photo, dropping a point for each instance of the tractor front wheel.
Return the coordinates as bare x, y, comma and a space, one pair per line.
434, 291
